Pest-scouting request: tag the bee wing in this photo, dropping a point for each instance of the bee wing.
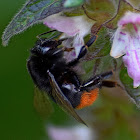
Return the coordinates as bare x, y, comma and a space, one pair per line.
61, 100
42, 103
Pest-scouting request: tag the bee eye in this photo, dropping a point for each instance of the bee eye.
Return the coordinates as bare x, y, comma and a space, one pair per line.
45, 49
39, 50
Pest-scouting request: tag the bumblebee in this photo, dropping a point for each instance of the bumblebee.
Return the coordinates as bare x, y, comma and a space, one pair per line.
51, 73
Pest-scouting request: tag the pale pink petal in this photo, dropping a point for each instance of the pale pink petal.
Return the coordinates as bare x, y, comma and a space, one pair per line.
62, 24
120, 42
70, 25
127, 42
130, 17
133, 68
69, 56
74, 133
78, 42
60, 134
132, 61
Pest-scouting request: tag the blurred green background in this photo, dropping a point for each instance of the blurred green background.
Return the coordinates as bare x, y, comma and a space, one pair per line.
117, 118
18, 119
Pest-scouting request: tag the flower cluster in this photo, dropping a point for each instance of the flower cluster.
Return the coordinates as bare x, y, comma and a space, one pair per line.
126, 41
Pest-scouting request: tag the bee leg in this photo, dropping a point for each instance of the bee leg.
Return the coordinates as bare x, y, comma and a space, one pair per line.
96, 81
83, 51
38, 36
43, 40
88, 98
90, 89
111, 84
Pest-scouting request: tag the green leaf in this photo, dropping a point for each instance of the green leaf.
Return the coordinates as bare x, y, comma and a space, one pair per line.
98, 59
98, 66
103, 42
32, 12
134, 93
134, 3
73, 3
101, 10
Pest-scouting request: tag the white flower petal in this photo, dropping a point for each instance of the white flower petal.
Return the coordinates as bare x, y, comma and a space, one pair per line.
78, 42
120, 42
127, 41
70, 25
129, 17
132, 61
74, 133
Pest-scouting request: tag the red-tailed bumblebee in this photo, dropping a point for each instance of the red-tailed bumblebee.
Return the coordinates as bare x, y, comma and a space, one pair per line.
52, 74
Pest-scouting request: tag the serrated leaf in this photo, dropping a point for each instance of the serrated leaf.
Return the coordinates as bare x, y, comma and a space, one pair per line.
134, 93
32, 12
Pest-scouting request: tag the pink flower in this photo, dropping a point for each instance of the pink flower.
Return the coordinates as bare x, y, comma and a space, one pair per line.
75, 28
127, 42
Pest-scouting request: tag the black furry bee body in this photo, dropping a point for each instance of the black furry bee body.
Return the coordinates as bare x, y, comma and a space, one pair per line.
52, 74
53, 60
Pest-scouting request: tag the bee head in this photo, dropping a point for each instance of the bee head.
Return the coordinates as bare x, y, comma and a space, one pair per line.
42, 47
